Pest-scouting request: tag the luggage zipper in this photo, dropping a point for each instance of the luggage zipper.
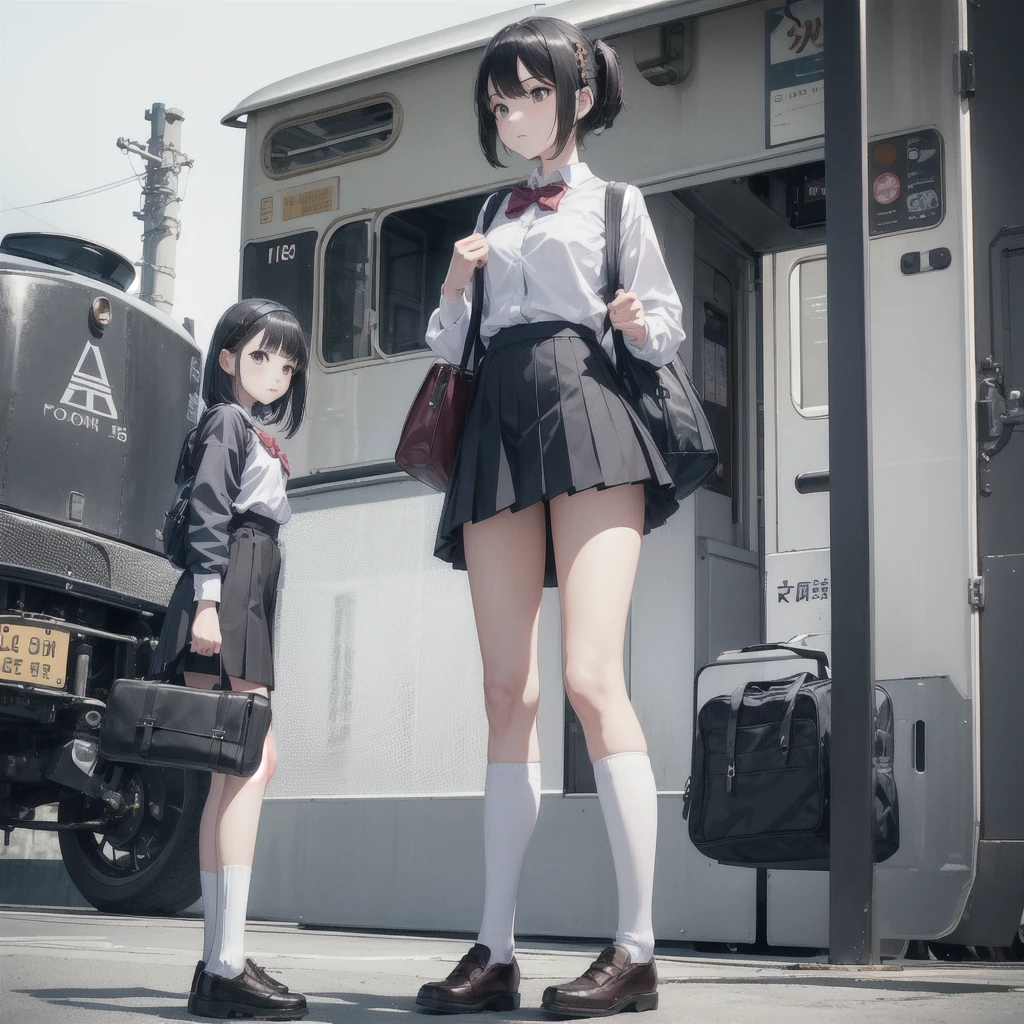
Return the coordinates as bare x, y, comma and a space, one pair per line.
686, 800
730, 774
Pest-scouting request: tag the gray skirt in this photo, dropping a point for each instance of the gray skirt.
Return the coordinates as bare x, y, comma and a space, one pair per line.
246, 613
546, 417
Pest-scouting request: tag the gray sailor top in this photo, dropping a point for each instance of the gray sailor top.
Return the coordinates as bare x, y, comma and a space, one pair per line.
235, 473
550, 265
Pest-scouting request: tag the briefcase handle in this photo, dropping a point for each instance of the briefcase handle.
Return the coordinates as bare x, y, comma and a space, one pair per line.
736, 701
819, 657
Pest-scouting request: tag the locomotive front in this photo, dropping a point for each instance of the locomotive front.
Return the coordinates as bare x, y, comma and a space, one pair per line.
97, 391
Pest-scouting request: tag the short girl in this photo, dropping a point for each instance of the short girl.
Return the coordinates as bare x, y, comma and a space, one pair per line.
555, 483
222, 613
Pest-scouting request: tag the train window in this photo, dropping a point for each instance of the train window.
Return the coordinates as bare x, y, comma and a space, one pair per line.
809, 329
346, 327
282, 269
330, 138
415, 250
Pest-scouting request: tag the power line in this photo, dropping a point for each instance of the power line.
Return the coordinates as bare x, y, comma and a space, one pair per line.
31, 216
76, 195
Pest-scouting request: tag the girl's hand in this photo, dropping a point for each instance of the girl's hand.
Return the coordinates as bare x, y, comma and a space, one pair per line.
206, 629
626, 312
469, 253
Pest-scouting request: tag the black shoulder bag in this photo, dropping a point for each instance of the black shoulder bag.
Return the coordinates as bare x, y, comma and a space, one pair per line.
159, 723
662, 396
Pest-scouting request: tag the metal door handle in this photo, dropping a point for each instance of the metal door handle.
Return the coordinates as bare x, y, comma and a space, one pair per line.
812, 483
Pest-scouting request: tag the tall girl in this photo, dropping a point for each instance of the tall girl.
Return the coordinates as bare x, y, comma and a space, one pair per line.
222, 613
555, 483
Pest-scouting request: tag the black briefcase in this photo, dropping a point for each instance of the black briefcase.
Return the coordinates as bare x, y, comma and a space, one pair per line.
759, 791
179, 726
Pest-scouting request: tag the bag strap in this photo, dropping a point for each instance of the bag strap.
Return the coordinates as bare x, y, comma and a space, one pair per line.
787, 718
614, 196
730, 736
225, 679
477, 309
736, 702
147, 721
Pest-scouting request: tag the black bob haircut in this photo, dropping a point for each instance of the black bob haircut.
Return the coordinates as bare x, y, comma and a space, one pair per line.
282, 336
548, 49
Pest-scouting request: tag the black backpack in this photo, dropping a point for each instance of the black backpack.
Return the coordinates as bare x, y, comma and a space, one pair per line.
175, 531
758, 794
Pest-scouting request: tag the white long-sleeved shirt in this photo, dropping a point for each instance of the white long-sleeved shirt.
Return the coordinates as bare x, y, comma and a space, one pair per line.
550, 265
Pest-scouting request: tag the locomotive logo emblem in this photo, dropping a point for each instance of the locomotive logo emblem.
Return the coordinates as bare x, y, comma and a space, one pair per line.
89, 388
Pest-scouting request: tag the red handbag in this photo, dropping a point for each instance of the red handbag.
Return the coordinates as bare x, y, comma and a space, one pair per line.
430, 436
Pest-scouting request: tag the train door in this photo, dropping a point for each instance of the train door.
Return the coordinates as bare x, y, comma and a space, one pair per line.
918, 893
796, 443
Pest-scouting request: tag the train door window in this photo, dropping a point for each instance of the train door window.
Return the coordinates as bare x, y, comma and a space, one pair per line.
282, 269
809, 358
346, 323
415, 251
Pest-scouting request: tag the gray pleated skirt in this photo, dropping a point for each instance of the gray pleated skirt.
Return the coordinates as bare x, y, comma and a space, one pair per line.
246, 613
546, 417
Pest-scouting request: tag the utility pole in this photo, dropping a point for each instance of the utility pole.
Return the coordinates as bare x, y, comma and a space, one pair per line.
160, 201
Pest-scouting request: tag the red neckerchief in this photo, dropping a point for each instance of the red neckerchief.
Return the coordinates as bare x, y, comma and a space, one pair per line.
547, 197
270, 443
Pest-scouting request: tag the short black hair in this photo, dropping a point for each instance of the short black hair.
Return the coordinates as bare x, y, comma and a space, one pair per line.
548, 49
282, 336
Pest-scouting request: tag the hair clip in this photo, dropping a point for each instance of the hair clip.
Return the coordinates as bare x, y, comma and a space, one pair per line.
582, 62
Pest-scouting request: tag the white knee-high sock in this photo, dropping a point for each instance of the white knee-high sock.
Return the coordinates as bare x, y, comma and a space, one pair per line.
228, 956
629, 801
211, 912
511, 805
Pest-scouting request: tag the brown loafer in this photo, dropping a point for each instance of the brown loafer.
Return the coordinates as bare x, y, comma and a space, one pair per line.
609, 985
473, 986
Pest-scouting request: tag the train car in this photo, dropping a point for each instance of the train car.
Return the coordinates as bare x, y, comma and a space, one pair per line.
358, 178
97, 390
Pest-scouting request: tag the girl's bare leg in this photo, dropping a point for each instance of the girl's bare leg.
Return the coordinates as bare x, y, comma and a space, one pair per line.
229, 827
505, 557
208, 864
597, 536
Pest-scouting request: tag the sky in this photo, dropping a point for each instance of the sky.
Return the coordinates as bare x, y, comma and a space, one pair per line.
75, 75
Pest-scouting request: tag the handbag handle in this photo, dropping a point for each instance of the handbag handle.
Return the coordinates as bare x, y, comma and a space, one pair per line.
819, 657
477, 308
736, 701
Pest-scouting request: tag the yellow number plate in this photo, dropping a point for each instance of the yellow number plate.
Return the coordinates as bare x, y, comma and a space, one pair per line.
33, 655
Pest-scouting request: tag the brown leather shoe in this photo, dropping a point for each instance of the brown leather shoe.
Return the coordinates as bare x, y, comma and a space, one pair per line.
609, 985
473, 986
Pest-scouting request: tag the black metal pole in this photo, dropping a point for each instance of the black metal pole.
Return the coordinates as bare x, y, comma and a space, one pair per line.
852, 938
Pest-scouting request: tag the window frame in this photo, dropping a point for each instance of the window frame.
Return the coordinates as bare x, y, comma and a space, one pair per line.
397, 122
368, 218
809, 412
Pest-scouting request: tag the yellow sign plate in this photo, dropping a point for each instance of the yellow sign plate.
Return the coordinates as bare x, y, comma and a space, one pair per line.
316, 197
33, 655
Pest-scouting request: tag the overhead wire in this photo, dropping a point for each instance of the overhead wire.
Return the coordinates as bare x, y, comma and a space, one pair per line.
85, 193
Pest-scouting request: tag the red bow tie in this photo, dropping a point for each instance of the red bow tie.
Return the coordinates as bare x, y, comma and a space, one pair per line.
547, 197
270, 443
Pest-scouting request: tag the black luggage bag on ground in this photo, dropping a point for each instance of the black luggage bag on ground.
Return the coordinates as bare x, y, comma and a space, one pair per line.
758, 794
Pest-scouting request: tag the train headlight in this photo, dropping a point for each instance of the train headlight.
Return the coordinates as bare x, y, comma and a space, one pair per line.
100, 314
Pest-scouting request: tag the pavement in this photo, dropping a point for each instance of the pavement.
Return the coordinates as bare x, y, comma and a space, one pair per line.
82, 967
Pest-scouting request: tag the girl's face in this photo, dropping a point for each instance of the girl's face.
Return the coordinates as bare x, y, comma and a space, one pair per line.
528, 124
259, 376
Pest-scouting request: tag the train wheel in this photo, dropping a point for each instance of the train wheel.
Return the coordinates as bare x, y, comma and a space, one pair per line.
149, 862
